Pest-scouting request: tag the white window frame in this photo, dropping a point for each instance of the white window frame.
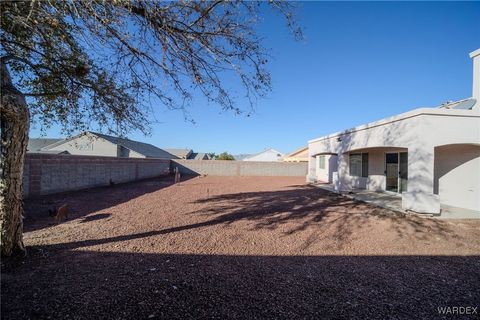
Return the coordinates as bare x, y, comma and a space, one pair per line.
360, 164
319, 162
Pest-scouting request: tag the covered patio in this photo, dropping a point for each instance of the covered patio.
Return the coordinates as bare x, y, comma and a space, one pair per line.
393, 201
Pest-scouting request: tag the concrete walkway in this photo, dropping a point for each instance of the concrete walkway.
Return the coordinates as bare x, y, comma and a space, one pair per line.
393, 202
449, 212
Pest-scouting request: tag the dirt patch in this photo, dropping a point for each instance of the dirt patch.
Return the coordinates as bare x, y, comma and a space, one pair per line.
236, 247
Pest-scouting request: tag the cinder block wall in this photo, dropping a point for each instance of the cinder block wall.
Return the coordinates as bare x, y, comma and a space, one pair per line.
47, 174
240, 168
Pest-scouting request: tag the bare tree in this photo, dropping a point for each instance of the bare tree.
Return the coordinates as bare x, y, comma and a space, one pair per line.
96, 63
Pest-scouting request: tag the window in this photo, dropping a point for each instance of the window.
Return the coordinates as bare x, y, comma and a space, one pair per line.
358, 164
122, 152
321, 162
365, 165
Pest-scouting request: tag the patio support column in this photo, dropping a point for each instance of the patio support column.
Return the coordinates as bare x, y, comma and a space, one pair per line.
342, 178
311, 171
420, 196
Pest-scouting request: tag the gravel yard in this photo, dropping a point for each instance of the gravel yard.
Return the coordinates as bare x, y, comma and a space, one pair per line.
236, 247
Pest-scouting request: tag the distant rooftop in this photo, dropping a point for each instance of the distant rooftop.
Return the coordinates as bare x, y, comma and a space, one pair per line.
180, 153
36, 144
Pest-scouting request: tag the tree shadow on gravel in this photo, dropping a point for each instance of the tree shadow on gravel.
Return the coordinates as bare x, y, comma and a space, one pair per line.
83, 202
304, 208
110, 285
307, 207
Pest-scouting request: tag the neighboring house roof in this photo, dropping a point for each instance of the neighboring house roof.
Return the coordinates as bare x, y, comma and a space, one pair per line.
266, 155
242, 156
36, 144
297, 155
198, 156
145, 149
50, 151
180, 153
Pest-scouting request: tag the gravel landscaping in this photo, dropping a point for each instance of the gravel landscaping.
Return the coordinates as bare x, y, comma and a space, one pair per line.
236, 247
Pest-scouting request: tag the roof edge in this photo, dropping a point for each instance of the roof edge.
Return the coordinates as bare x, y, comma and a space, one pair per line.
400, 117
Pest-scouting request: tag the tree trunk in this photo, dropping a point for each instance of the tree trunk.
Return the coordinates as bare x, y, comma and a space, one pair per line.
14, 122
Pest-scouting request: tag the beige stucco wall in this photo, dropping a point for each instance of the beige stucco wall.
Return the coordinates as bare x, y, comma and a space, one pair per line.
457, 175
90, 145
326, 174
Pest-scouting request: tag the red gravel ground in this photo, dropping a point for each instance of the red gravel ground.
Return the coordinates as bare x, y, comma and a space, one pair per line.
236, 247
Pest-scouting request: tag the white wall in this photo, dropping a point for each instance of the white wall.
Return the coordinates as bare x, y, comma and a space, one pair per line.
457, 175
376, 169
326, 174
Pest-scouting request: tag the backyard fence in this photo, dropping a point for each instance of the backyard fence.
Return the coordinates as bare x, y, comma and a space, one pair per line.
47, 173
239, 168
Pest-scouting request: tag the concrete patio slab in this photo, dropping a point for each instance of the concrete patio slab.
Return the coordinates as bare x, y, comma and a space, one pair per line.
379, 199
394, 202
449, 212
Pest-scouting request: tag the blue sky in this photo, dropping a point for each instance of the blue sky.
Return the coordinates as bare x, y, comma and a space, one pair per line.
359, 62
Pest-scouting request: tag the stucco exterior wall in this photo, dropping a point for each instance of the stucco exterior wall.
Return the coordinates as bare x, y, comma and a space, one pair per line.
326, 174
457, 175
89, 145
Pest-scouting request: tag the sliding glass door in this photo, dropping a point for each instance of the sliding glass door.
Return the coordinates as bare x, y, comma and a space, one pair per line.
391, 171
403, 172
396, 171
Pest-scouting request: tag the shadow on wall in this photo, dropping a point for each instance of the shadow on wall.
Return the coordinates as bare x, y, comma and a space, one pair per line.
84, 202
184, 170
451, 157
111, 285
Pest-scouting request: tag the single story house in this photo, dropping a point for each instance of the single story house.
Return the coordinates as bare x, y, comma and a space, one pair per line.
97, 144
428, 156
299, 155
266, 155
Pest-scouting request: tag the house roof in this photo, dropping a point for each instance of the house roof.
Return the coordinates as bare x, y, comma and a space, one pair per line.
36, 144
180, 153
50, 151
438, 110
297, 152
198, 156
269, 150
146, 149
242, 156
